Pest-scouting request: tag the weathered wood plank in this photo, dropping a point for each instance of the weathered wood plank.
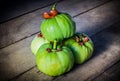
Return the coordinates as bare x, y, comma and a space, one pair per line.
107, 52
33, 75
16, 59
28, 24
101, 17
17, 53
11, 10
112, 74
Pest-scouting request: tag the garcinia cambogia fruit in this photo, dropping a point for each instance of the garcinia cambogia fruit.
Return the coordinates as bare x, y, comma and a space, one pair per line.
37, 42
57, 26
81, 46
54, 60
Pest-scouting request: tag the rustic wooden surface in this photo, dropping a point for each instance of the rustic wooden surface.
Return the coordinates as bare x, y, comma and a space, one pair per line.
100, 19
28, 24
107, 52
12, 9
111, 74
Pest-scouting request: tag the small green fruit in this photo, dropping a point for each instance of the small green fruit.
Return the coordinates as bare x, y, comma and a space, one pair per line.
54, 62
81, 46
59, 27
37, 42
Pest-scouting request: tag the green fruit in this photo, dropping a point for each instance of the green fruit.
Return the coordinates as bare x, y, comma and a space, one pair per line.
81, 46
54, 61
37, 42
59, 27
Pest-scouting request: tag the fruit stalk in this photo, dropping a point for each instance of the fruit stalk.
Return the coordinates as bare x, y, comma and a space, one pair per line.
55, 45
54, 6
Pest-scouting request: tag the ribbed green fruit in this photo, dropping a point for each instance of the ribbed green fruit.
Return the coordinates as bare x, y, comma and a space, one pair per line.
54, 62
81, 46
37, 42
59, 27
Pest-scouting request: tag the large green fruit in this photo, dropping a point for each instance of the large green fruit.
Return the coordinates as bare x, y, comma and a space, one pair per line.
37, 42
81, 46
58, 26
54, 62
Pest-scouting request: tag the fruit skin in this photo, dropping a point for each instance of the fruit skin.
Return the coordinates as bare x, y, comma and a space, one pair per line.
54, 62
37, 42
82, 50
59, 27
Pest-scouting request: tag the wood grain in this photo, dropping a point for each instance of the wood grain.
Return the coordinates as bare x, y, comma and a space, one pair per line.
12, 9
107, 52
17, 58
27, 25
33, 75
101, 17
111, 74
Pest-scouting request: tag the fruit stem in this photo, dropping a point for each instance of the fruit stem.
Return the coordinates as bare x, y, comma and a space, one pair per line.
55, 45
54, 6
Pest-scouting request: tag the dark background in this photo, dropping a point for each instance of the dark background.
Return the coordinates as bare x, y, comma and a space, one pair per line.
13, 8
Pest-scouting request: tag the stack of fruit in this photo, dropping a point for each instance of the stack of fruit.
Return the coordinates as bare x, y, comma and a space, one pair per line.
57, 47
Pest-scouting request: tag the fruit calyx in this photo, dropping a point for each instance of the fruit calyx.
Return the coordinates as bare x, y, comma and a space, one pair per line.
86, 39
48, 50
53, 12
40, 35
81, 39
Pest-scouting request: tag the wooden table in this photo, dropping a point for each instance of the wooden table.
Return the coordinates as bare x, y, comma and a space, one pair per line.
100, 19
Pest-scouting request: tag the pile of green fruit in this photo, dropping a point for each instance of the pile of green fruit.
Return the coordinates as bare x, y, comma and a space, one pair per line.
58, 47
